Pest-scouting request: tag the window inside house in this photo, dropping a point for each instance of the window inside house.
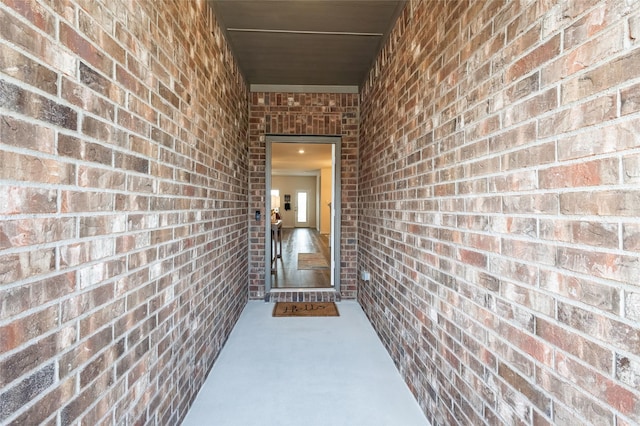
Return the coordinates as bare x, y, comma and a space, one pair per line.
302, 206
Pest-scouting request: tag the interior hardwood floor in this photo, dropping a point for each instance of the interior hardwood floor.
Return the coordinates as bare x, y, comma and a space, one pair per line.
301, 240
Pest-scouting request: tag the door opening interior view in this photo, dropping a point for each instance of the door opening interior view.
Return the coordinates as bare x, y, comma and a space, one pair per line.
303, 182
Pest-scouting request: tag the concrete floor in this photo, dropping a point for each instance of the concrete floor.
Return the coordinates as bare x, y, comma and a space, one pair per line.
304, 372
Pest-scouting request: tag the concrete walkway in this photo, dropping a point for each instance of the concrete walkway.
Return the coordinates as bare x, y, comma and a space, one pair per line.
304, 372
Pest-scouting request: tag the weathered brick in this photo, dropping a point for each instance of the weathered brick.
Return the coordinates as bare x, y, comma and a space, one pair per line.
17, 396
73, 201
631, 236
611, 266
90, 177
99, 38
534, 59
101, 317
514, 137
529, 251
27, 200
26, 135
600, 386
99, 365
588, 351
519, 383
18, 299
27, 359
35, 13
628, 371
18, 66
133, 123
15, 267
17, 99
130, 162
631, 169
519, 39
514, 225
531, 108
535, 203
143, 109
92, 226
601, 203
27, 232
528, 297
131, 83
81, 150
592, 173
509, 269
518, 181
600, 140
584, 28
101, 130
83, 48
572, 404
83, 97
27, 328
526, 157
601, 296
100, 84
585, 55
580, 232
602, 78
45, 406
23, 36
523, 88
632, 305
576, 117
57, 188
87, 301
81, 402
630, 100
600, 327
35, 169
168, 95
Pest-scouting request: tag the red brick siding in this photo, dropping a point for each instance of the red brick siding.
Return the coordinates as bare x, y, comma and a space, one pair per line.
498, 209
313, 114
123, 200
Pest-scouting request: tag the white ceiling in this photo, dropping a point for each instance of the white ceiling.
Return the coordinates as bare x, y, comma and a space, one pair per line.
287, 160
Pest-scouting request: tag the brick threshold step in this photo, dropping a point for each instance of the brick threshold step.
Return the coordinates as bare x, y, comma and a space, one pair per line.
302, 295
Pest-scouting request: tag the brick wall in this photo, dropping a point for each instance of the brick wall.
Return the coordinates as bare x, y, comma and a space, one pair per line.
314, 114
123, 208
499, 208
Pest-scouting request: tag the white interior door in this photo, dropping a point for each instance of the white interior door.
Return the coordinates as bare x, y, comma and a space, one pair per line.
302, 209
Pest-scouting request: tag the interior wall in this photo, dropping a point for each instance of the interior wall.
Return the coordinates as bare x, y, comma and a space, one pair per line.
289, 185
123, 208
314, 114
498, 209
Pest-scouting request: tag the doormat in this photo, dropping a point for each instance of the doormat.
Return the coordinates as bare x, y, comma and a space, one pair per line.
312, 261
305, 309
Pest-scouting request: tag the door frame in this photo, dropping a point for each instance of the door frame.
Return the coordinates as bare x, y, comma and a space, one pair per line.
334, 236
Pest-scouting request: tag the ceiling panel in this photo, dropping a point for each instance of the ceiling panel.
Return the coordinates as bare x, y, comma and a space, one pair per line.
306, 42
289, 63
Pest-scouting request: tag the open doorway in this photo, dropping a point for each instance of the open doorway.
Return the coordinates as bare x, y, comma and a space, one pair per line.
303, 179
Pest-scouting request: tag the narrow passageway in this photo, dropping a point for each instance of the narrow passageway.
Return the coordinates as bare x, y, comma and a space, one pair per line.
304, 371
